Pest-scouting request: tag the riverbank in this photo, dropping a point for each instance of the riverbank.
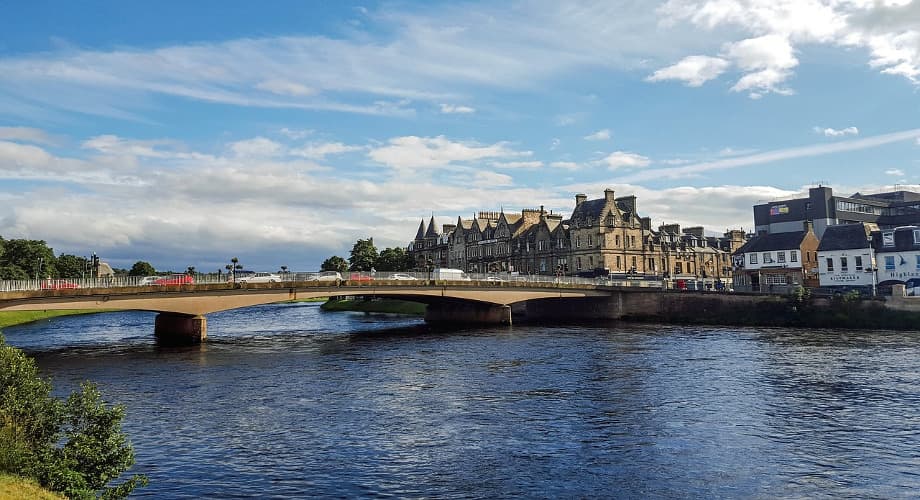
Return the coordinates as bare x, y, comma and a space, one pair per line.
391, 306
11, 318
15, 487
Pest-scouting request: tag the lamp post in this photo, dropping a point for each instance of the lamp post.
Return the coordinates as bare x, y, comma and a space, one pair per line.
429, 264
38, 273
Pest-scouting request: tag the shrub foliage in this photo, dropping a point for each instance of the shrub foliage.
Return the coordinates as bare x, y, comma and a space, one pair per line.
73, 446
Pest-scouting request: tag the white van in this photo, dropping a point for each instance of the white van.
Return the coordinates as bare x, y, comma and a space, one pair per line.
443, 273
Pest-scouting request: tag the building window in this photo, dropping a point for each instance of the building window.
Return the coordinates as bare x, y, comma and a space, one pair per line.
590, 241
578, 263
578, 244
619, 266
830, 264
767, 258
591, 262
617, 239
916, 236
858, 262
753, 258
678, 268
793, 256
889, 262
888, 238
918, 262
633, 263
844, 266
780, 256
542, 265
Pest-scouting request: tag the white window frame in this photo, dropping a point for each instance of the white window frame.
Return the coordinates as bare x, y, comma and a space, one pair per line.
753, 258
793, 256
830, 264
888, 238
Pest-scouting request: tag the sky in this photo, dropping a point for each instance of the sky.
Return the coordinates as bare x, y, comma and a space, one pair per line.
187, 133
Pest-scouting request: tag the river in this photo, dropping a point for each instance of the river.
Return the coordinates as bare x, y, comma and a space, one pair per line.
287, 401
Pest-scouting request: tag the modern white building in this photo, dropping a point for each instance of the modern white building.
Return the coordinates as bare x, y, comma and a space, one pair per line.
846, 259
898, 256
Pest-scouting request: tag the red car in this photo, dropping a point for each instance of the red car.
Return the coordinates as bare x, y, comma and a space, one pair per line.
175, 279
58, 285
359, 277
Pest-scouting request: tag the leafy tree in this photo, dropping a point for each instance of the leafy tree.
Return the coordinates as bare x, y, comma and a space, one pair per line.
190, 271
363, 255
28, 255
334, 263
74, 447
70, 266
394, 259
13, 273
141, 268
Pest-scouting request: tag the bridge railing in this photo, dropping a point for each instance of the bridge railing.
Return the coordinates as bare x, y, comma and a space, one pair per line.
422, 279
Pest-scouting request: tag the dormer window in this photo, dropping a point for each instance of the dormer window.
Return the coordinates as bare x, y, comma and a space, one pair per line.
888, 238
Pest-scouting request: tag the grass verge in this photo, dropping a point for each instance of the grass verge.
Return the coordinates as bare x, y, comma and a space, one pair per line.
10, 318
392, 306
15, 487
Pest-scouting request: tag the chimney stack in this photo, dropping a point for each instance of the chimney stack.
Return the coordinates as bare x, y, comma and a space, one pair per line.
580, 198
609, 195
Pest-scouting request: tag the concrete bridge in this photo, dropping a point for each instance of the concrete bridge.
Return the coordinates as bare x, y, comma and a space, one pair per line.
182, 308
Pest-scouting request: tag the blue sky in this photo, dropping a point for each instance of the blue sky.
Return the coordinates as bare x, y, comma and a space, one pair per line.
186, 133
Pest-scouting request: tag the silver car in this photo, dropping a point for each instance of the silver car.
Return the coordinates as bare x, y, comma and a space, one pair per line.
259, 278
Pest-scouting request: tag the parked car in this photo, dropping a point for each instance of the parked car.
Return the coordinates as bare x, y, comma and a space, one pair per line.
148, 280
359, 277
326, 276
58, 285
402, 277
493, 278
175, 279
259, 278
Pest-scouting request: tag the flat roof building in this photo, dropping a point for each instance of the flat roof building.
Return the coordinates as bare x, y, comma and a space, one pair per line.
823, 209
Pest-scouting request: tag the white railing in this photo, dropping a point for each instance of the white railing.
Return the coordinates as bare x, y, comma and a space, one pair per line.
419, 278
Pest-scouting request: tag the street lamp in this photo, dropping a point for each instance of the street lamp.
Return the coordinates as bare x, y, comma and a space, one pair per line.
430, 265
38, 273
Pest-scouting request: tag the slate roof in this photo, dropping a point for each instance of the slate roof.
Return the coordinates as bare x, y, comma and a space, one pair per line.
432, 229
774, 241
845, 237
590, 208
421, 230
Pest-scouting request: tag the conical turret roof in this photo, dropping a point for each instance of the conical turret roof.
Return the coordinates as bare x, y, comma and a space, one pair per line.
432, 229
420, 235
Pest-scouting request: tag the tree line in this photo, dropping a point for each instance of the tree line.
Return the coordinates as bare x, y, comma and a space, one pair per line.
364, 257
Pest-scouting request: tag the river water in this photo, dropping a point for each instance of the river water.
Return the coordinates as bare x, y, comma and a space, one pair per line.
287, 401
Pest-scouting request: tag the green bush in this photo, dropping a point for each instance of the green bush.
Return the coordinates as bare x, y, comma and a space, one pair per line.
75, 447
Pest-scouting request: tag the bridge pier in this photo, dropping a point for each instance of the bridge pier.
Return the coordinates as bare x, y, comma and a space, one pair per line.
180, 329
468, 312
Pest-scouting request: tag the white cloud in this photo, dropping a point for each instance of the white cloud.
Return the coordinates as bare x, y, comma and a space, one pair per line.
895, 172
600, 135
888, 29
452, 109
772, 156
295, 134
768, 59
320, 150
285, 88
567, 119
491, 179
692, 70
118, 146
413, 152
257, 147
830, 132
622, 159
25, 134
517, 164
554, 144
565, 165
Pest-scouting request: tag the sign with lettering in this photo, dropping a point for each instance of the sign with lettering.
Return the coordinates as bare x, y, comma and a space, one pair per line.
779, 210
